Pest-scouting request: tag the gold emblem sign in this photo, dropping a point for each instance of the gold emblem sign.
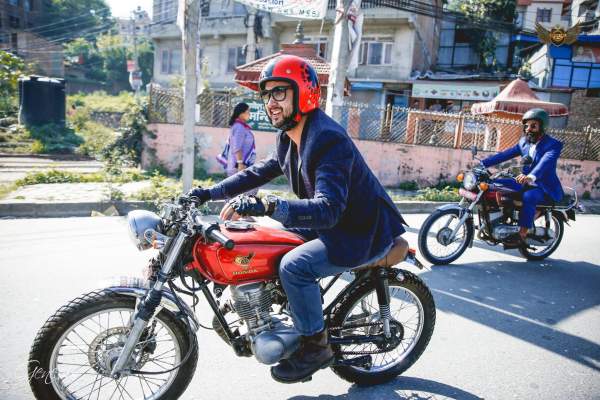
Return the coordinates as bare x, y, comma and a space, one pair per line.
557, 35
244, 261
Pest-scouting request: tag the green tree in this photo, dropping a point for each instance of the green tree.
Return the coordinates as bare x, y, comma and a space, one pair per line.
74, 18
146, 59
11, 69
481, 12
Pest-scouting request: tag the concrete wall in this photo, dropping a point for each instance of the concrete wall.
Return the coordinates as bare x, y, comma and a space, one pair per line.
392, 163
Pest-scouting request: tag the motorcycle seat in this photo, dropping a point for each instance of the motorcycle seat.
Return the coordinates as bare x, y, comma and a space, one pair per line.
395, 255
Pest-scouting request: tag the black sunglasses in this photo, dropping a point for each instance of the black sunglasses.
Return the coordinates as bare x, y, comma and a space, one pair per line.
278, 93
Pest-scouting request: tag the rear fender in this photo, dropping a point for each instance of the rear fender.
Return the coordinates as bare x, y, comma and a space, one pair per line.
138, 287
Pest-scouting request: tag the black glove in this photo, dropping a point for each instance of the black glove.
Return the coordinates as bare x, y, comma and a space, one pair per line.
252, 205
202, 194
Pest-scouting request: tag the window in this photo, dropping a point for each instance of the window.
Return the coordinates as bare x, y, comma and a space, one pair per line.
544, 15
13, 2
235, 57
239, 8
167, 10
376, 51
14, 22
320, 43
170, 62
575, 75
204, 8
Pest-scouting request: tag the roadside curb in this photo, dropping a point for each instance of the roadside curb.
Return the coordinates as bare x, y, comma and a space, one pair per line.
57, 210
84, 209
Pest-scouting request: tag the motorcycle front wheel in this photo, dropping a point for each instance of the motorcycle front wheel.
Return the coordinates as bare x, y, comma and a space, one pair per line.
72, 354
434, 237
413, 319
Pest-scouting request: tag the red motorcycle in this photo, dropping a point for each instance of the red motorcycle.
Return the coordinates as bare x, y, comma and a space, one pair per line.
137, 339
450, 229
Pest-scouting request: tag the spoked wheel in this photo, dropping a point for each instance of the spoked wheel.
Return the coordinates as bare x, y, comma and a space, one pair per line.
73, 354
556, 231
435, 237
413, 318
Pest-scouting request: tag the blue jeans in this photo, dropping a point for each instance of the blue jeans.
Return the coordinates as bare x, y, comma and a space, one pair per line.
531, 197
299, 270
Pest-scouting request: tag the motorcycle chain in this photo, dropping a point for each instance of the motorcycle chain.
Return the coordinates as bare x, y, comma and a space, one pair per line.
363, 325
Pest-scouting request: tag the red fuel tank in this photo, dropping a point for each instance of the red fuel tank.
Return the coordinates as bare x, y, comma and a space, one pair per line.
255, 257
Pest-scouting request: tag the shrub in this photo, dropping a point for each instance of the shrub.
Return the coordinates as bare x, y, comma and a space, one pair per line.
54, 138
409, 185
96, 138
434, 194
586, 195
161, 189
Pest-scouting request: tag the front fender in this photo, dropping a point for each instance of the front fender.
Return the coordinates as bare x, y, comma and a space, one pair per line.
450, 207
138, 287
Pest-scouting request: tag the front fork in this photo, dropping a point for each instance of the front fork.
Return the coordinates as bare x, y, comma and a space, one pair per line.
383, 298
148, 306
467, 212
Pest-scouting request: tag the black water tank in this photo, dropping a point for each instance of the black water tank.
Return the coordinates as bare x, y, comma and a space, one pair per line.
42, 100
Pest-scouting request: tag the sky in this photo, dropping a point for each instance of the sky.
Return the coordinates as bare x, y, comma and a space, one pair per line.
122, 8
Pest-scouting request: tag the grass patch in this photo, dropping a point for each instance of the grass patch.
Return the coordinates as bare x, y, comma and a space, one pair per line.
5, 190
102, 102
434, 194
58, 176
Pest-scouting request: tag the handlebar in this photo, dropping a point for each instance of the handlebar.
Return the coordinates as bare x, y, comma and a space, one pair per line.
215, 234
212, 231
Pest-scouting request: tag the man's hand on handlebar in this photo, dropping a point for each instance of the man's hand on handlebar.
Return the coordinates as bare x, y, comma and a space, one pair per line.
203, 195
523, 179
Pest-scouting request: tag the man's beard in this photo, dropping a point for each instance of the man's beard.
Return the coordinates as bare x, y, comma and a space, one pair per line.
533, 137
286, 123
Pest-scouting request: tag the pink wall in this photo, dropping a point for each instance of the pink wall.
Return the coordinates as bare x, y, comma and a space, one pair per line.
392, 163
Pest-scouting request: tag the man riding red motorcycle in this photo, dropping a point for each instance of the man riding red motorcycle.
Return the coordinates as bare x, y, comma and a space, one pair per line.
343, 211
538, 181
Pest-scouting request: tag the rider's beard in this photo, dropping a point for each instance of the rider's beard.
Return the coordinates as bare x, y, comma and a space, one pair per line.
287, 122
533, 137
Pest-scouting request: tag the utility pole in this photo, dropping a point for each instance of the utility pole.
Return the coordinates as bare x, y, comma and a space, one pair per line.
250, 35
339, 62
191, 14
135, 51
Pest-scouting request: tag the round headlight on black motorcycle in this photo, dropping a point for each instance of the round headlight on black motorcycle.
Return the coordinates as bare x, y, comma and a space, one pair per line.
139, 221
469, 181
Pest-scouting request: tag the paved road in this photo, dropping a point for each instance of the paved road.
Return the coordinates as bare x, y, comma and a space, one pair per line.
506, 328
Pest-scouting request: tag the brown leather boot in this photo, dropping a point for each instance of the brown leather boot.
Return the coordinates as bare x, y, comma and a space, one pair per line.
314, 353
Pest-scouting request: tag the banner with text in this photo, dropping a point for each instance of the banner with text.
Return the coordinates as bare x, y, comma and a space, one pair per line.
307, 9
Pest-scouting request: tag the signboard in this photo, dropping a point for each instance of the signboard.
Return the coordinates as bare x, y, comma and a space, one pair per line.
131, 65
306, 9
135, 80
258, 117
582, 53
455, 91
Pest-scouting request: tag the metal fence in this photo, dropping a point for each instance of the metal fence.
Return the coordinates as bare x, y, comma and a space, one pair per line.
386, 123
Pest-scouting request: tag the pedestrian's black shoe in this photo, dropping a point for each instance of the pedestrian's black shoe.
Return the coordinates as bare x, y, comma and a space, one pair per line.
514, 241
314, 353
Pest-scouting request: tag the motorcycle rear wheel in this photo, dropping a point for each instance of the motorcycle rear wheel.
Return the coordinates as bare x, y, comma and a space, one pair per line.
68, 358
411, 306
559, 229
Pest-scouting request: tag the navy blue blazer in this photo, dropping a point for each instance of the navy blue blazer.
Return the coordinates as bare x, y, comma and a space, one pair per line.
339, 196
543, 166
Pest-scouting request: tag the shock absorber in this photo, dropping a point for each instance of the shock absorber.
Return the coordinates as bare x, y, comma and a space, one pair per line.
383, 298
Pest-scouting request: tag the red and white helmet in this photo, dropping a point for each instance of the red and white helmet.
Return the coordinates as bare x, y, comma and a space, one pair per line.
300, 75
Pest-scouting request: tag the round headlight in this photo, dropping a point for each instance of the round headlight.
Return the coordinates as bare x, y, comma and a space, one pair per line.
139, 221
469, 181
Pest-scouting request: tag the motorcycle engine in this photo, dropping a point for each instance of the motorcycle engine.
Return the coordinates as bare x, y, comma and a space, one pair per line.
253, 303
271, 337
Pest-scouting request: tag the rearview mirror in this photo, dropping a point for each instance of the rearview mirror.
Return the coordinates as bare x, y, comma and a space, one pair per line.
474, 150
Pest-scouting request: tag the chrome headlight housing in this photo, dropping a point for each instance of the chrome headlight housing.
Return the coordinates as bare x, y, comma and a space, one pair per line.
140, 221
470, 181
